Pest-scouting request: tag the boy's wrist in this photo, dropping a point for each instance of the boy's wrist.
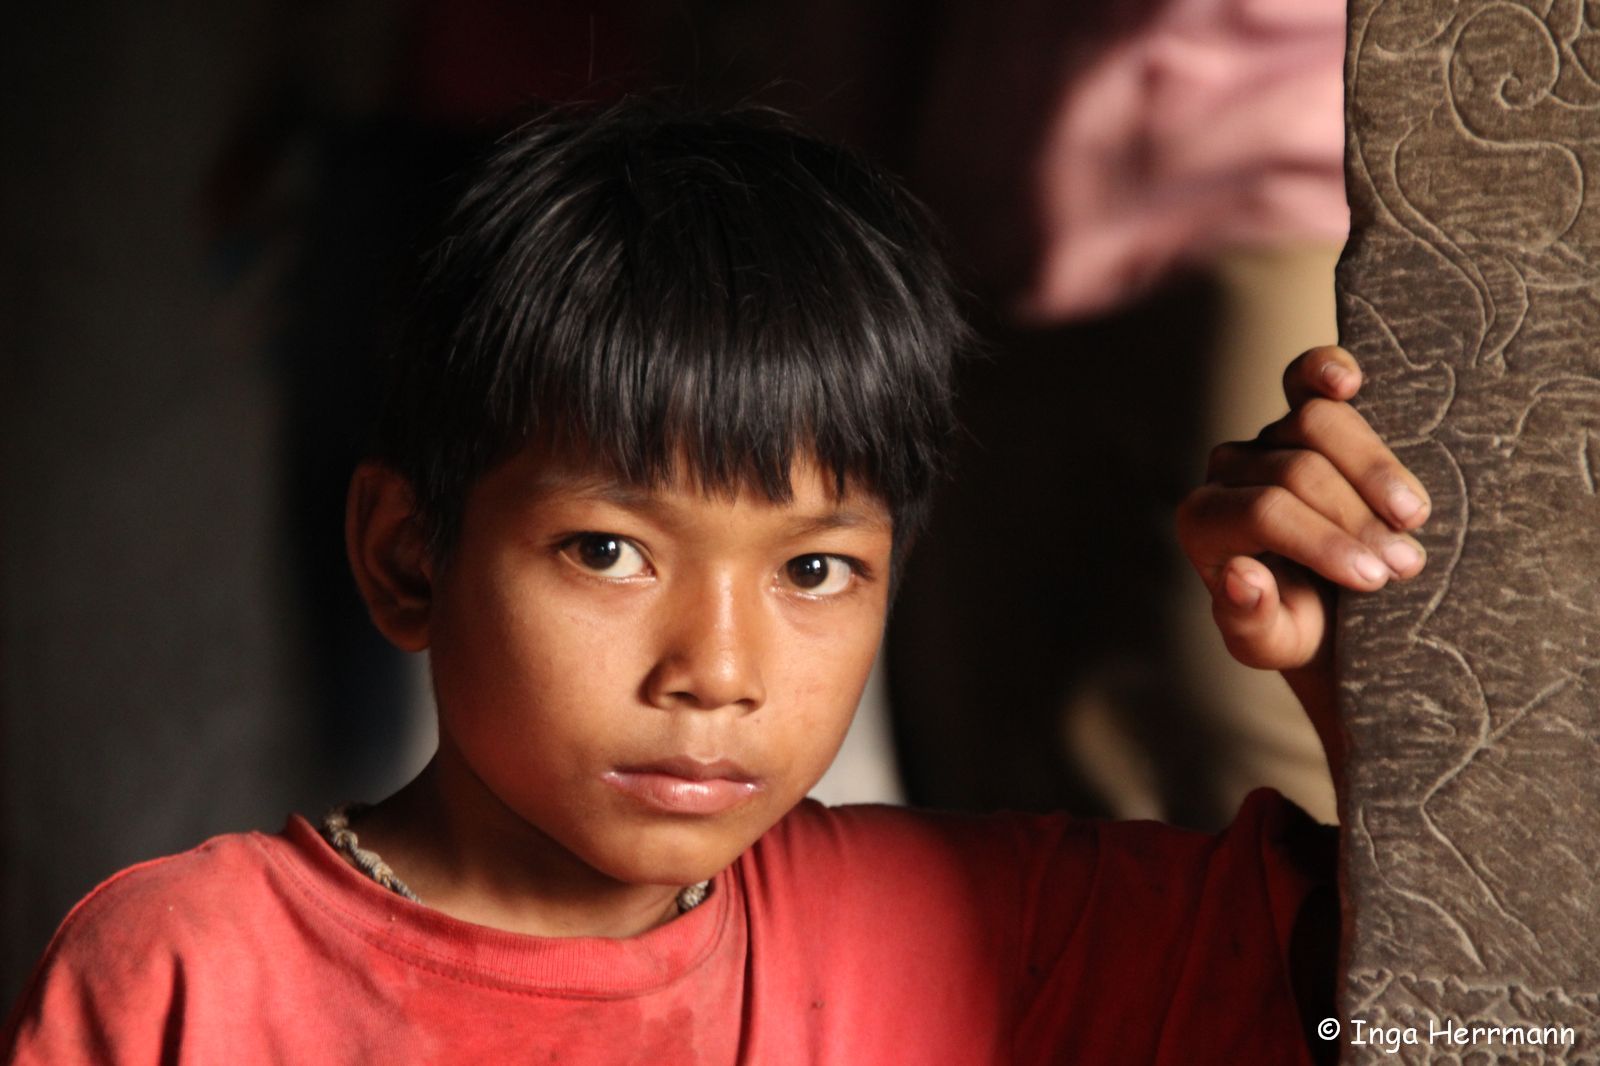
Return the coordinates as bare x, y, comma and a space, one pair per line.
1316, 687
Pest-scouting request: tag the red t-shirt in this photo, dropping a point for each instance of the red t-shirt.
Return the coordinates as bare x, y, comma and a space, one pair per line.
859, 935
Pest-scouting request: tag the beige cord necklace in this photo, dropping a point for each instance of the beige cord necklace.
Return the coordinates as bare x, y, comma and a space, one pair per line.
336, 830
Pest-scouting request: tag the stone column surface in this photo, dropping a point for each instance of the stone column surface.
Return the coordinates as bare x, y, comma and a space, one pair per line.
1470, 291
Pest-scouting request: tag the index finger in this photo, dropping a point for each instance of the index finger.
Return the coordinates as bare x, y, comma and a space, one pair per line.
1328, 371
1343, 437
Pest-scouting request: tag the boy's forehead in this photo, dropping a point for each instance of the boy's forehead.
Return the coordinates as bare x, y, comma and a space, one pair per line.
815, 498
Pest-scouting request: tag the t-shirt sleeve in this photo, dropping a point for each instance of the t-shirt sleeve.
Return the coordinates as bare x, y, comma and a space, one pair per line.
1145, 943
104, 990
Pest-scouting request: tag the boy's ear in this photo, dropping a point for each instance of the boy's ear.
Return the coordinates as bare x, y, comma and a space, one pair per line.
389, 554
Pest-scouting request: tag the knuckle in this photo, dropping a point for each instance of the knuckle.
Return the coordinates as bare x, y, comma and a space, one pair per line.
1304, 472
1246, 646
1222, 457
1265, 503
1313, 418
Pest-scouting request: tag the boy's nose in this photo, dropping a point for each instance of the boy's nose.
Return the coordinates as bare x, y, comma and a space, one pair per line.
710, 652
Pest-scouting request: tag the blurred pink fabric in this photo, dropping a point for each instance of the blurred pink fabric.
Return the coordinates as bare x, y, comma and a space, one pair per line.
1081, 150
1217, 123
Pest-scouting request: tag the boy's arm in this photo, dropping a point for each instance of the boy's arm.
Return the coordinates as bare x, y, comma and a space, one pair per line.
1315, 501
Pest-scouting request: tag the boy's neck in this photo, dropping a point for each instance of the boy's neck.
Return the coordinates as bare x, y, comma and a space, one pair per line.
467, 855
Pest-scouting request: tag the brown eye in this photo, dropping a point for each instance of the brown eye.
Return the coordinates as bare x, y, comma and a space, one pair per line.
606, 554
819, 575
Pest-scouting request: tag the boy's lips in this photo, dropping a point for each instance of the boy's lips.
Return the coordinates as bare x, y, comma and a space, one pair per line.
682, 785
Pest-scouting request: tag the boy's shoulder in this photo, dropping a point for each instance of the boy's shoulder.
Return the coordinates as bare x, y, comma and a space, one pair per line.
150, 914
1069, 916
1076, 864
888, 866
131, 947
879, 832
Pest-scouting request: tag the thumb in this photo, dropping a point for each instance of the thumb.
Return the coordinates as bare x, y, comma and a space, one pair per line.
1270, 618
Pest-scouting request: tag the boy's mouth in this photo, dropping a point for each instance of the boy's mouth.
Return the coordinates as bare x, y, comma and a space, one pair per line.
683, 785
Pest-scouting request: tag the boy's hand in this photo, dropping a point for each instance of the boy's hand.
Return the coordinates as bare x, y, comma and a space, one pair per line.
1316, 500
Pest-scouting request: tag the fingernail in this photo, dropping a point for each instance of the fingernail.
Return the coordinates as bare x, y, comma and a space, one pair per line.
1243, 594
1371, 567
1335, 375
1403, 503
1402, 555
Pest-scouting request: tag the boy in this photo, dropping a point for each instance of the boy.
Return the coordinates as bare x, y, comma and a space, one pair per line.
664, 426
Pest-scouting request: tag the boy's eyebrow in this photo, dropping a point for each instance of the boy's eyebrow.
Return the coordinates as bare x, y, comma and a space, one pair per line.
840, 518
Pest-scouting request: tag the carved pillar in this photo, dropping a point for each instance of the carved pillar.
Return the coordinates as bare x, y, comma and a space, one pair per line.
1470, 291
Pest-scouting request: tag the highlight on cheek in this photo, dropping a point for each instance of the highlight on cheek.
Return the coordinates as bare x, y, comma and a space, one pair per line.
604, 555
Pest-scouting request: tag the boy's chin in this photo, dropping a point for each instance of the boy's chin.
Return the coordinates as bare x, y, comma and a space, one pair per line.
673, 856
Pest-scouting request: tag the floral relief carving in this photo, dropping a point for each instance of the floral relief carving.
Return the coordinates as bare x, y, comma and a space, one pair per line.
1470, 290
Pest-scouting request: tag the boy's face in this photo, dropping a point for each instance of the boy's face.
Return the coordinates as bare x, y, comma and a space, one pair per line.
651, 679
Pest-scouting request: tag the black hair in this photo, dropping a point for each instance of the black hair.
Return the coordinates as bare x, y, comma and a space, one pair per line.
648, 286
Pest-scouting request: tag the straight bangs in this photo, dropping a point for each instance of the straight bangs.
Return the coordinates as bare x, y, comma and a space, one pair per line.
666, 296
